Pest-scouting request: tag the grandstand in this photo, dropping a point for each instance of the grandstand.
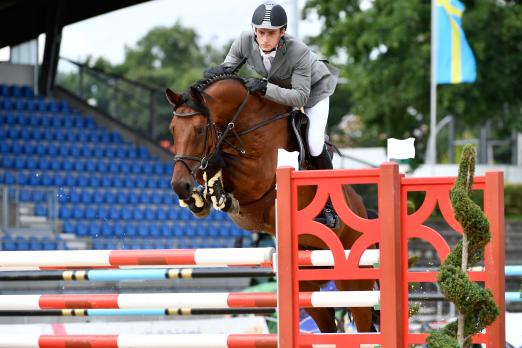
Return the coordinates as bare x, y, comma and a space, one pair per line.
69, 182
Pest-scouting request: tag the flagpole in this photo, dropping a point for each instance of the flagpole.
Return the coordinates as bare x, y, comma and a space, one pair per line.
432, 141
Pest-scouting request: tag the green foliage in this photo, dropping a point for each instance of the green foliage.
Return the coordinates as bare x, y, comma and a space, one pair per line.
475, 302
513, 200
387, 53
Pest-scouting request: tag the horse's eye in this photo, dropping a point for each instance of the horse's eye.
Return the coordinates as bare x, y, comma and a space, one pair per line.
199, 130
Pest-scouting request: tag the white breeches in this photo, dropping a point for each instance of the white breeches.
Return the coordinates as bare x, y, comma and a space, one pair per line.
317, 118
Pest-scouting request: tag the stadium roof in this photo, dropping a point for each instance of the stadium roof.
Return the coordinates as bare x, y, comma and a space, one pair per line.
23, 20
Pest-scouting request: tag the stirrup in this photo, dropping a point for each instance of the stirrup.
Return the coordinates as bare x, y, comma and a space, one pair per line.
328, 217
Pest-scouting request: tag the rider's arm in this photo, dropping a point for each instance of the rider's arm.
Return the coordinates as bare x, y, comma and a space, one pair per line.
301, 81
235, 53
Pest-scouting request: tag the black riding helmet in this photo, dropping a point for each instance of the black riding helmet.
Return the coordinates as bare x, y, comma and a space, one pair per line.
269, 16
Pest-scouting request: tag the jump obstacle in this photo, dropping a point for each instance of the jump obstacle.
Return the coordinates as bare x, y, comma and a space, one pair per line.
391, 230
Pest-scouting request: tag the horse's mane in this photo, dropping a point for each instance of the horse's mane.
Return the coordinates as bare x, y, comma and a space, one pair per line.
201, 85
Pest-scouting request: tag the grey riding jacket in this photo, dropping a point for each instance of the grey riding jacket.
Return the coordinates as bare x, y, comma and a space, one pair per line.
298, 77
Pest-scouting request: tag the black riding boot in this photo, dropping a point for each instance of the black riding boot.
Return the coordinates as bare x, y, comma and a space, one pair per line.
328, 217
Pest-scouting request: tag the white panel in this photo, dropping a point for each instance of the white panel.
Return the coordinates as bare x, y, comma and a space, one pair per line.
19, 302
54, 258
172, 341
173, 300
19, 341
325, 257
233, 256
345, 298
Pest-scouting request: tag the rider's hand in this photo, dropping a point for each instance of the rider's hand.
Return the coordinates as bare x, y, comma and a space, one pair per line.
256, 85
217, 70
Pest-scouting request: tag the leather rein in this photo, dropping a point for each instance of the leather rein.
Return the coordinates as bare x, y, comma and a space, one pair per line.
221, 136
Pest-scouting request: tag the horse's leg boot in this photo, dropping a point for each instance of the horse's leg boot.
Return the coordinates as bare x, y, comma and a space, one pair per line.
197, 203
215, 192
328, 216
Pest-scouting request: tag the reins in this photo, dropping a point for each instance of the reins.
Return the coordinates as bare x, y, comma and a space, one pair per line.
221, 136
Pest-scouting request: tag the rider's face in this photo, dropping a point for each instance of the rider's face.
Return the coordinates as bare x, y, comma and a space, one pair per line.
269, 38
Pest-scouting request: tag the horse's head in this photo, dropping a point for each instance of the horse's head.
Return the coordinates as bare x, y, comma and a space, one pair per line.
197, 119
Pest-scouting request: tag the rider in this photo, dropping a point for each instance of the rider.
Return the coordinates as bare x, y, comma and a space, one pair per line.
293, 75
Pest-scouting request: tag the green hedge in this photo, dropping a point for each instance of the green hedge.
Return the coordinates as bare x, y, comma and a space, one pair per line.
513, 200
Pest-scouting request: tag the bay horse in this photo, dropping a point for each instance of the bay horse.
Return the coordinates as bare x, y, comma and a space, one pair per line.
227, 139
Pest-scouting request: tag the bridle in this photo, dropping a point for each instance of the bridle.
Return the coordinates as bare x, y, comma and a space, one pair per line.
220, 136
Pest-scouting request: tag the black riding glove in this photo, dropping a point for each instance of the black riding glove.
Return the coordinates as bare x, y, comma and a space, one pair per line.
217, 70
256, 85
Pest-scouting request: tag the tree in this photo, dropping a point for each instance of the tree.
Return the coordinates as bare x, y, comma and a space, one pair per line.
387, 52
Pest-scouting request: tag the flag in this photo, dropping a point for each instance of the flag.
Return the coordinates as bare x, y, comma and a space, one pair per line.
455, 60
401, 149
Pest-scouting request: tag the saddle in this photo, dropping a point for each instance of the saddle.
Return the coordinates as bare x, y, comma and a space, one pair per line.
299, 129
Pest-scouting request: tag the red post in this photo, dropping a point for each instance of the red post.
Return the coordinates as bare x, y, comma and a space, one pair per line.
287, 264
495, 254
394, 324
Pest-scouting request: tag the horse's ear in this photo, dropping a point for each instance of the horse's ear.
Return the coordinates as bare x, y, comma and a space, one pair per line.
196, 95
172, 97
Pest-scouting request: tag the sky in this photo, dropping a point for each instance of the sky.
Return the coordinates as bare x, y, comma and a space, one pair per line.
216, 22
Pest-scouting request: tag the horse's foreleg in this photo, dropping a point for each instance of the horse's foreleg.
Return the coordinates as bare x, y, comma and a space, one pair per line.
323, 317
361, 315
197, 203
215, 192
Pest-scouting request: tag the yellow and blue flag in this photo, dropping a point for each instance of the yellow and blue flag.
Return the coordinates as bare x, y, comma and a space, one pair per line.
455, 60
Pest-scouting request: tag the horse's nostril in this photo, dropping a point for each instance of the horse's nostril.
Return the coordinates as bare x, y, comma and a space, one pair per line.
187, 188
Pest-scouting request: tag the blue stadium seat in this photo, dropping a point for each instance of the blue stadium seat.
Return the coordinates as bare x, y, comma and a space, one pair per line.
67, 164
22, 178
94, 230
145, 197
86, 197
40, 210
78, 212
137, 214
106, 230
48, 243
131, 230
172, 213
106, 181
21, 243
83, 180
8, 244
74, 196
136, 167
44, 163
25, 195
97, 196
154, 231
98, 244
102, 213
156, 198
152, 182
90, 166
121, 197
133, 197
114, 166
39, 196
143, 230
82, 230
166, 231
78, 165
114, 213
58, 179
110, 197
161, 214
20, 162
35, 243
158, 168
90, 212
68, 227
149, 214
129, 181
125, 214
94, 180
119, 230
117, 181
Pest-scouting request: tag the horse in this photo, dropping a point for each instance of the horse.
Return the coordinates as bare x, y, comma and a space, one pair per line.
226, 139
